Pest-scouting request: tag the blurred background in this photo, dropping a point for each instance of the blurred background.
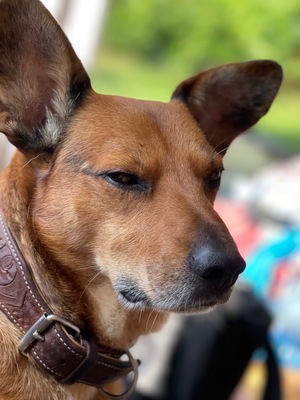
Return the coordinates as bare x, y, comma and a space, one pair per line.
144, 49
148, 47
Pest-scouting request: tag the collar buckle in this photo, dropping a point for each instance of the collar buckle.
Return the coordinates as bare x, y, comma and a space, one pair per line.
35, 332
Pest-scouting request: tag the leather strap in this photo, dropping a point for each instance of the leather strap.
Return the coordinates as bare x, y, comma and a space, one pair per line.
53, 342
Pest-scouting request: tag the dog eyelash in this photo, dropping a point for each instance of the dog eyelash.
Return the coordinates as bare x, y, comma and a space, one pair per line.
125, 180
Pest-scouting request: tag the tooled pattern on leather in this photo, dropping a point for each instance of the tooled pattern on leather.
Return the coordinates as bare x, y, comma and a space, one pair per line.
6, 246
16, 258
12, 250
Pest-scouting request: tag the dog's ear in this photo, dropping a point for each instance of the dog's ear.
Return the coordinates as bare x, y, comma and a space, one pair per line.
229, 99
41, 78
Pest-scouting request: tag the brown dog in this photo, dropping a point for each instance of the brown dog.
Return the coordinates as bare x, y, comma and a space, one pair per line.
110, 203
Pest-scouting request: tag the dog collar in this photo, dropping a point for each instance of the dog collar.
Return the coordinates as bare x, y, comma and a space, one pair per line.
54, 343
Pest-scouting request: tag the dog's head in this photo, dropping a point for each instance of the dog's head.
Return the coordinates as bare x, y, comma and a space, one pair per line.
120, 188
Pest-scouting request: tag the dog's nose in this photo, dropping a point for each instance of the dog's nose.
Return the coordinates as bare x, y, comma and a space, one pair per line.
219, 268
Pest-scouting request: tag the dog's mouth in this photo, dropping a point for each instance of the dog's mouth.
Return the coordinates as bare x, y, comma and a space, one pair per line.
181, 299
132, 296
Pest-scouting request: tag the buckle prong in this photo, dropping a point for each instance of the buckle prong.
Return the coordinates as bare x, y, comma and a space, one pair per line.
38, 336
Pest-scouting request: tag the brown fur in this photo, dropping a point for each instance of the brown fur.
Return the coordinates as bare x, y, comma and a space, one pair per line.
87, 238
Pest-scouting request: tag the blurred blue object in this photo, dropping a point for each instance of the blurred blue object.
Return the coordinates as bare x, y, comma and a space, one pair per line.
273, 270
261, 265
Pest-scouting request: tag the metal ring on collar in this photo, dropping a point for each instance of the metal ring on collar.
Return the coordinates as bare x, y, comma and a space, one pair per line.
135, 365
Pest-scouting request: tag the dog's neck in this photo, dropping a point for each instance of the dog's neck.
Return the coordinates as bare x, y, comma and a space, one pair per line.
114, 325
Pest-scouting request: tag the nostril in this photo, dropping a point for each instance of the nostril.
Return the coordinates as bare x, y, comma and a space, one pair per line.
213, 273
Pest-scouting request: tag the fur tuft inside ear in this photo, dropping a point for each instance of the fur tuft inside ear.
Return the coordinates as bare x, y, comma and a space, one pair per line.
41, 78
229, 99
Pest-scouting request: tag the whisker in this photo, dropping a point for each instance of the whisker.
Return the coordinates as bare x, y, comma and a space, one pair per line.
140, 317
88, 284
220, 151
34, 158
148, 320
154, 321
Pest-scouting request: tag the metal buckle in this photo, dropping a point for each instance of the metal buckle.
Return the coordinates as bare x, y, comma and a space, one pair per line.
38, 328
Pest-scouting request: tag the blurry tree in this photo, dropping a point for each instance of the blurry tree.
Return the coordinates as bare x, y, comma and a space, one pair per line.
205, 32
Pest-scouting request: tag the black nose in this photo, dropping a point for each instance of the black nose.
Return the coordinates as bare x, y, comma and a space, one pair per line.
218, 267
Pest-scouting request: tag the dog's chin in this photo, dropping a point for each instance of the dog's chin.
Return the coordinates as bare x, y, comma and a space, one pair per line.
134, 298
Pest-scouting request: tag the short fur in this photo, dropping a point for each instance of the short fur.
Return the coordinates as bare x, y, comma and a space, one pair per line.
111, 199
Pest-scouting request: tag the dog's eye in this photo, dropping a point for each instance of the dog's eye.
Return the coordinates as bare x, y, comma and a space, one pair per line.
125, 180
215, 177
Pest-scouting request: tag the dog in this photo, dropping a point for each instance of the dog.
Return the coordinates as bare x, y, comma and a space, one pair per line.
107, 221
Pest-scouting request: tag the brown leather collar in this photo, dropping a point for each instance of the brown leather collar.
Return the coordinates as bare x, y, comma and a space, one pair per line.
54, 343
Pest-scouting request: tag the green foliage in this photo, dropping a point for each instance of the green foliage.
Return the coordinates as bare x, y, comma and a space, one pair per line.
120, 74
151, 45
202, 33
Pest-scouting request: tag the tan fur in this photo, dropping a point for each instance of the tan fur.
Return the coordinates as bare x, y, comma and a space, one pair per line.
113, 258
